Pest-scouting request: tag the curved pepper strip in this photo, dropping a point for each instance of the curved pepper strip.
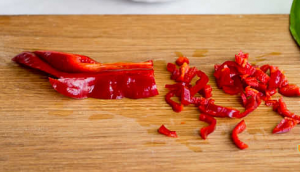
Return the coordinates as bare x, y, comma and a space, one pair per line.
163, 130
290, 90
240, 127
218, 111
74, 63
200, 84
205, 131
282, 110
285, 125
175, 106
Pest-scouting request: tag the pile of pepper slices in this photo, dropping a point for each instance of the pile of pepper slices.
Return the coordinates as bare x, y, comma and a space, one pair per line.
252, 83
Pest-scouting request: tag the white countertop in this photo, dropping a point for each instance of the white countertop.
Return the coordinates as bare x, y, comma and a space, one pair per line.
8, 7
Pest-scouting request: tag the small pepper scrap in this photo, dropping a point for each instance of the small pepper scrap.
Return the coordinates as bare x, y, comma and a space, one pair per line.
163, 130
79, 76
240, 127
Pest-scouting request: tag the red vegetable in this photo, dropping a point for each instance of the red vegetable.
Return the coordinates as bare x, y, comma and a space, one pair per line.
205, 131
175, 106
290, 90
218, 111
240, 127
285, 125
129, 81
74, 63
167, 132
181, 60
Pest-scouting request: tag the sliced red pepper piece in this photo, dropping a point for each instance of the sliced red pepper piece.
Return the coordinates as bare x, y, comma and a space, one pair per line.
171, 67
240, 127
251, 81
265, 68
184, 68
206, 91
205, 131
271, 102
163, 130
75, 63
290, 90
185, 96
261, 76
241, 59
175, 106
181, 60
200, 84
282, 110
218, 111
285, 125
190, 75
275, 78
225, 79
110, 85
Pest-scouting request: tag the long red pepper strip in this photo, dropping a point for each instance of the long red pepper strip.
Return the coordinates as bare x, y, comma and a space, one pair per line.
282, 110
74, 63
111, 85
107, 84
240, 127
218, 111
205, 131
163, 130
285, 125
200, 84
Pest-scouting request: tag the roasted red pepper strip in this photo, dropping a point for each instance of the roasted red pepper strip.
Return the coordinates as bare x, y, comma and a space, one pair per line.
290, 90
240, 127
135, 83
206, 91
110, 85
205, 131
163, 130
200, 84
175, 106
285, 125
218, 111
74, 63
261, 76
275, 78
182, 60
282, 110
241, 59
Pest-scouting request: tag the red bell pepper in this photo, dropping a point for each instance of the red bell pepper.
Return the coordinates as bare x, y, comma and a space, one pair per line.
182, 60
282, 110
200, 84
74, 63
218, 111
240, 127
205, 131
129, 82
290, 90
285, 125
163, 130
241, 59
177, 107
206, 91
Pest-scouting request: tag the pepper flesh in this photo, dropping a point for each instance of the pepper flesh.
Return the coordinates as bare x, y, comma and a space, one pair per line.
205, 131
240, 127
163, 130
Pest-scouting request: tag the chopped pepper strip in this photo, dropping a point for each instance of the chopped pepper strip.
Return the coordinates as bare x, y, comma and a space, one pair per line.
285, 125
163, 130
175, 106
290, 90
240, 127
205, 131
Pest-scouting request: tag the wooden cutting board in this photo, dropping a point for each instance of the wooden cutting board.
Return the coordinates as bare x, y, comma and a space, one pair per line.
41, 130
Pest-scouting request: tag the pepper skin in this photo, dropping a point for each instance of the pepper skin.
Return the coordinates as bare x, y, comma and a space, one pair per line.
175, 106
205, 131
240, 127
182, 60
163, 130
285, 125
218, 111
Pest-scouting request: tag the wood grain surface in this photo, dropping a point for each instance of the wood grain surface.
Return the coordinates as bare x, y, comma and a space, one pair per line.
41, 130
